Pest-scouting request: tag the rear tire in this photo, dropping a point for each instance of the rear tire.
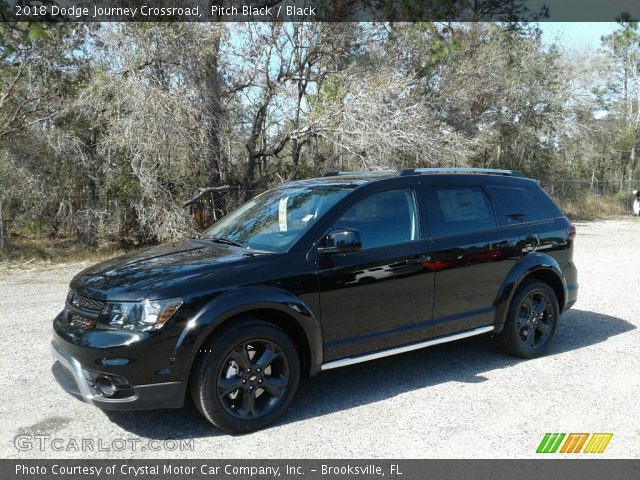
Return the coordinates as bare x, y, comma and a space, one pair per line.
532, 321
245, 378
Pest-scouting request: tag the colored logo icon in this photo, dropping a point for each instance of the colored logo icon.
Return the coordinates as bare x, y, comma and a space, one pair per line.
574, 443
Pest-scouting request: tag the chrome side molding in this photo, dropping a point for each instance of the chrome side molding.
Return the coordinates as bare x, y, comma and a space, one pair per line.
343, 362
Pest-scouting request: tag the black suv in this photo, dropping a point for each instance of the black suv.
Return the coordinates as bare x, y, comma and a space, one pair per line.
314, 275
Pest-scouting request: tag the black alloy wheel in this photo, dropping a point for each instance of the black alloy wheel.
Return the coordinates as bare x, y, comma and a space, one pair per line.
253, 379
531, 322
535, 320
245, 375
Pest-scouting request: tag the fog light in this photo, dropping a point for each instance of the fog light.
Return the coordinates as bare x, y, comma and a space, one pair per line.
105, 386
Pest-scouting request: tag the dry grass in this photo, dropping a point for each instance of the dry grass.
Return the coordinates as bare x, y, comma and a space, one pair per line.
591, 207
26, 252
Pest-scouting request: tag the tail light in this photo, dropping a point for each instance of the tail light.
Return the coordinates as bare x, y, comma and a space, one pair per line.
572, 232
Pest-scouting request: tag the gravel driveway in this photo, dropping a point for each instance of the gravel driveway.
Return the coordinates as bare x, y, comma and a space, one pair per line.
463, 399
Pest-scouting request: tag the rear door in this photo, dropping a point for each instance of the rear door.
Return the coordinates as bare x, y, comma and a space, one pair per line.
471, 258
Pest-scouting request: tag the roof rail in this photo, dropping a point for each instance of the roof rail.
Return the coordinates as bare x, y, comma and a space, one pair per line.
488, 171
363, 172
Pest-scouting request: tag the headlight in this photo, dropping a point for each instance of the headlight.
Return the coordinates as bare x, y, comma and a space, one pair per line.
147, 315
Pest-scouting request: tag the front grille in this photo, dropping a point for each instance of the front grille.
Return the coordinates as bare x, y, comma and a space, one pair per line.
86, 303
76, 320
82, 311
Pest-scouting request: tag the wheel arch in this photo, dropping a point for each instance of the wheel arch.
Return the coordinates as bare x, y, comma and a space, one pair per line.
538, 266
272, 305
281, 319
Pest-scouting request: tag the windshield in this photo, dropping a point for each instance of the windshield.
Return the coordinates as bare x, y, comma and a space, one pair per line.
275, 219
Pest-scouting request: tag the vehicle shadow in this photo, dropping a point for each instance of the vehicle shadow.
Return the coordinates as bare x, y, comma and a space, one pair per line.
349, 387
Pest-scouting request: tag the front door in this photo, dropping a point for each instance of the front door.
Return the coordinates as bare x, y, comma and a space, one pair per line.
382, 295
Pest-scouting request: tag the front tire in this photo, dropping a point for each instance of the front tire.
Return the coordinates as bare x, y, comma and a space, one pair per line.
532, 321
245, 379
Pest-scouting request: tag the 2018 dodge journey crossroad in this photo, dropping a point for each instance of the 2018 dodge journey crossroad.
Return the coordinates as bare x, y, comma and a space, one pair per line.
314, 275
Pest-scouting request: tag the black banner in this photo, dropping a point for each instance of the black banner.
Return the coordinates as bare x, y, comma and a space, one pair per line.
316, 10
318, 469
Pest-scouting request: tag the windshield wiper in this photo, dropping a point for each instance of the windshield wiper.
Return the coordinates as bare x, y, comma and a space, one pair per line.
226, 241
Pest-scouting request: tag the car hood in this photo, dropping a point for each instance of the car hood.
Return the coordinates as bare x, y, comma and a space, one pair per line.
136, 275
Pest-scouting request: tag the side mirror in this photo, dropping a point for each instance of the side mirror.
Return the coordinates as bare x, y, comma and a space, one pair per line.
340, 241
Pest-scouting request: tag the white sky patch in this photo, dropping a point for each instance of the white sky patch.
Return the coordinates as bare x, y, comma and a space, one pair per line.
576, 35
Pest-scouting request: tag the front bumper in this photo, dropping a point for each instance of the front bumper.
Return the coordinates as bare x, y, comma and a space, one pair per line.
79, 383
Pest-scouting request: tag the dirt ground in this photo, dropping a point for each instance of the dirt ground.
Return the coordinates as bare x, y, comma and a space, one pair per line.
459, 400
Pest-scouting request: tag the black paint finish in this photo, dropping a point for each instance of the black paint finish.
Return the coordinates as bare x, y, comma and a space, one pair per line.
334, 304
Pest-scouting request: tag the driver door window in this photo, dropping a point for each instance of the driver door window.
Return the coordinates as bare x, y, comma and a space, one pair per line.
383, 219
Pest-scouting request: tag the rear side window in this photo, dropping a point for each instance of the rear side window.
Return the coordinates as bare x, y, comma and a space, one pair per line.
458, 210
518, 205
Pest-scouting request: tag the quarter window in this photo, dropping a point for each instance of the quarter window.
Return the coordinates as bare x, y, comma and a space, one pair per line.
517, 205
386, 218
458, 210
